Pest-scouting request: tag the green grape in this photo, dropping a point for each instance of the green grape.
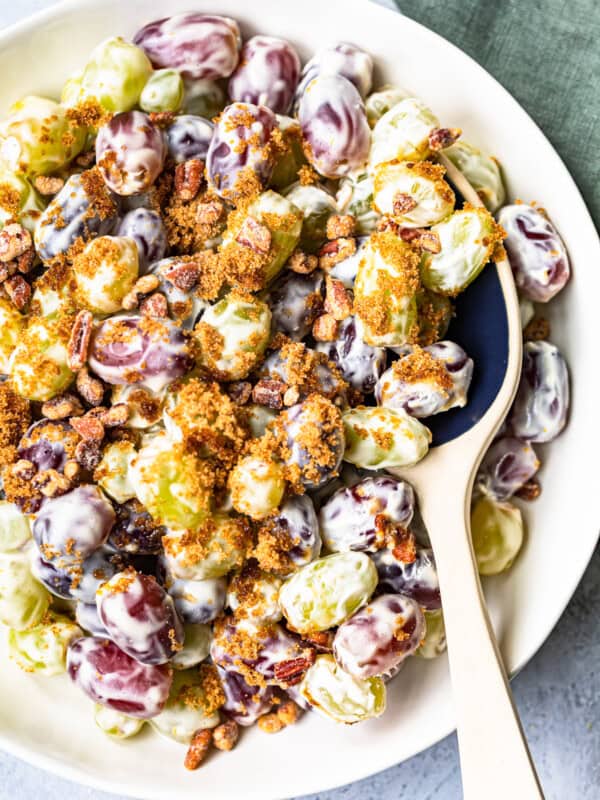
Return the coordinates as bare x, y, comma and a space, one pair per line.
70, 94
402, 133
189, 707
43, 649
19, 201
482, 171
259, 418
434, 314
12, 325
422, 183
115, 75
317, 205
256, 486
163, 92
23, 601
38, 366
38, 138
14, 528
378, 103
497, 531
434, 643
468, 240
203, 98
105, 272
241, 324
385, 290
327, 591
355, 196
115, 724
172, 483
113, 473
209, 551
196, 646
292, 158
377, 438
336, 695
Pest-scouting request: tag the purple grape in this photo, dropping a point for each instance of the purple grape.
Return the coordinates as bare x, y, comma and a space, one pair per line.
240, 149
87, 618
295, 302
199, 602
418, 579
334, 126
56, 580
130, 152
295, 530
74, 524
189, 137
98, 568
380, 636
360, 364
146, 228
267, 74
360, 517
244, 703
74, 213
147, 352
48, 445
135, 531
198, 45
507, 465
536, 252
541, 406
342, 59
140, 617
112, 678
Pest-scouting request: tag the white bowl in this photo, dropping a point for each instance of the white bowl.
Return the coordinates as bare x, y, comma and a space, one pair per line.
48, 721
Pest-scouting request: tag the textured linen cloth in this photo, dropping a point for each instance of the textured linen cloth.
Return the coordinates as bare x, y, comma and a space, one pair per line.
547, 54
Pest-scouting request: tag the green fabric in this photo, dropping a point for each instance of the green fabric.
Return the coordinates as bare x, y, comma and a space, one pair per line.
547, 54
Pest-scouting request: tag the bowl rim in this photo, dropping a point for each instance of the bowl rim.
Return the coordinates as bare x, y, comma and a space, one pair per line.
34, 22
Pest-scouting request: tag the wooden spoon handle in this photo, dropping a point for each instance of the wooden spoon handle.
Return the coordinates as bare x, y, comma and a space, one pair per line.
495, 760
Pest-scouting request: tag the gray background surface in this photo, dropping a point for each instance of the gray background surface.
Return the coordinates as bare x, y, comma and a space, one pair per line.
546, 53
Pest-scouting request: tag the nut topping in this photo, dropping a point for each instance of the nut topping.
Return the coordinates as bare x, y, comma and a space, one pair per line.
14, 241
440, 138
269, 393
335, 251
255, 236
189, 177
303, 263
79, 341
198, 749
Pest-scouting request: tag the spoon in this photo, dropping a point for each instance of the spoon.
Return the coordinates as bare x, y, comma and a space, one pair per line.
495, 760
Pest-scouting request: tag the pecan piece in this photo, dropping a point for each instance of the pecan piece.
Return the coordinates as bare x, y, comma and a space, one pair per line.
335, 251
254, 235
288, 713
440, 138
198, 749
240, 392
338, 301
18, 290
14, 241
183, 275
270, 723
339, 225
24, 469
292, 670
71, 470
208, 214
189, 177
422, 238
530, 490
537, 330
61, 407
154, 306
114, 416
325, 328
225, 736
51, 483
303, 263
403, 203
291, 396
91, 389
25, 261
88, 427
8, 269
47, 185
269, 393
88, 454
79, 340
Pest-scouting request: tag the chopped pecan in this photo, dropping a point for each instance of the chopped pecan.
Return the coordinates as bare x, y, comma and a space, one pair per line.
240, 392
254, 235
208, 214
114, 416
7, 269
403, 203
88, 427
14, 241
537, 330
225, 736
51, 483
335, 251
189, 177
292, 670
325, 328
198, 749
62, 406
288, 713
421, 237
25, 261
79, 340
24, 469
440, 138
18, 290
154, 306
47, 185
146, 284
183, 275
303, 263
400, 540
71, 470
291, 396
269, 393
321, 640
339, 225
530, 490
338, 301
270, 723
88, 454
90, 388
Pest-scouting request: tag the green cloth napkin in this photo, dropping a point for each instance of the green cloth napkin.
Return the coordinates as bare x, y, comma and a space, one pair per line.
547, 54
